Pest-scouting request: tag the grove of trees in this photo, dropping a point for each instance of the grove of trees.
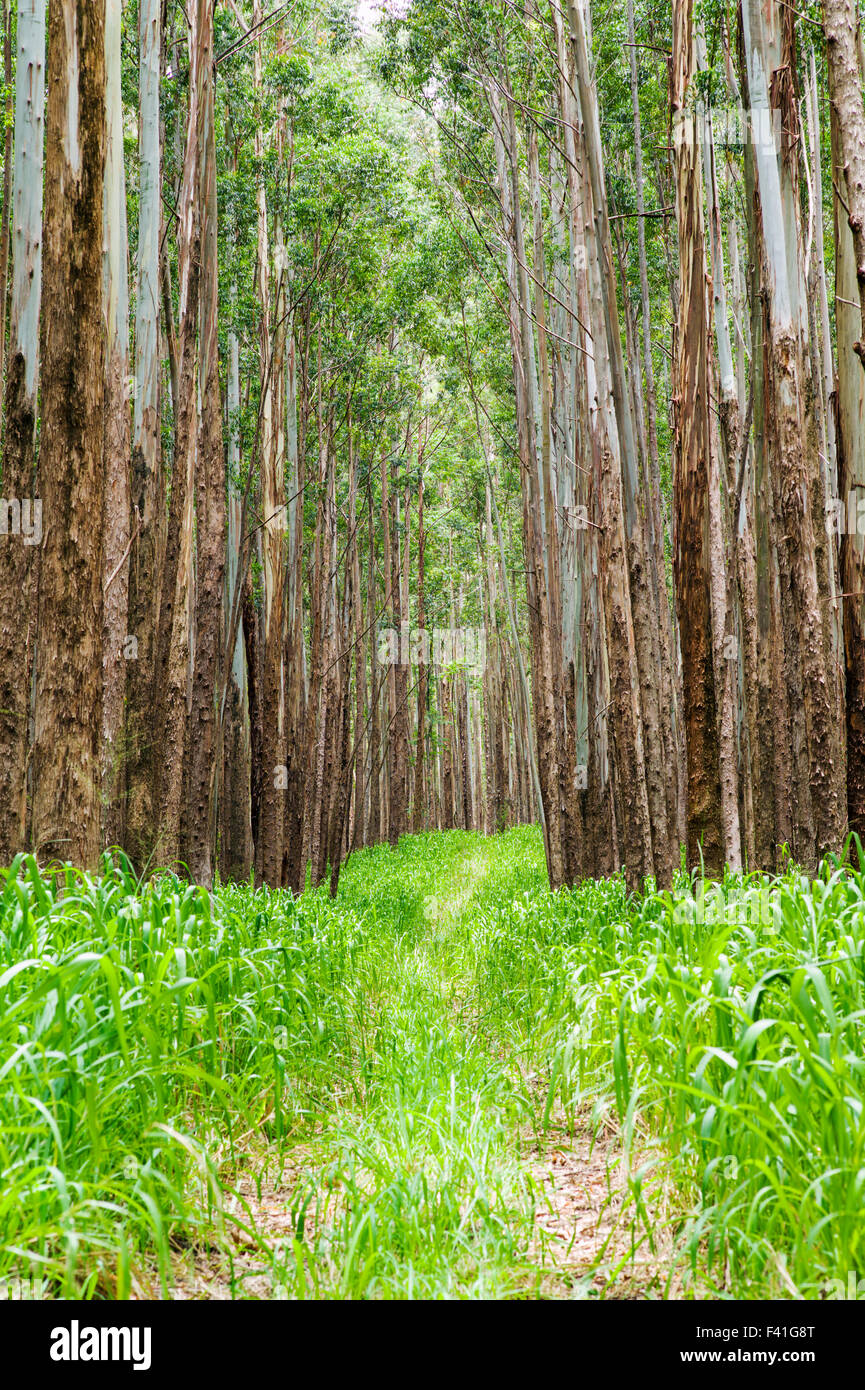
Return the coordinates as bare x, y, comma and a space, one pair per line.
447, 414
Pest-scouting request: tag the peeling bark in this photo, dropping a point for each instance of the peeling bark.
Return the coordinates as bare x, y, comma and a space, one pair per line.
19, 562
66, 750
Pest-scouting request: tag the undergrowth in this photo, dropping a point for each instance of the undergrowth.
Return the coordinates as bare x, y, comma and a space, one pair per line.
385, 1062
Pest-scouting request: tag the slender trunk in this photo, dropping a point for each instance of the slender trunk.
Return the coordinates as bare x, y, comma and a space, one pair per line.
694, 472
725, 638
7, 183
648, 365
252, 650
419, 818
655, 504
843, 43
295, 651
816, 716
537, 591
18, 552
639, 744
173, 630
374, 780
210, 487
146, 480
269, 849
236, 847
66, 752
398, 731
116, 652
847, 79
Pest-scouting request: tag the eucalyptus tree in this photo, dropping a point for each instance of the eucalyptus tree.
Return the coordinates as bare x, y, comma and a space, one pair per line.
66, 752
18, 561
209, 481
117, 439
812, 780
270, 275
846, 58
146, 497
175, 579
696, 470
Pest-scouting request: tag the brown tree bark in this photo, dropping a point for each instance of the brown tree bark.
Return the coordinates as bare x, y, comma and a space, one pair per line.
537, 591
5, 209
358, 647
643, 743
843, 45
175, 605
66, 747
373, 777
116, 651
846, 80
815, 701
19, 553
269, 845
296, 705
210, 488
147, 479
420, 810
398, 732
694, 469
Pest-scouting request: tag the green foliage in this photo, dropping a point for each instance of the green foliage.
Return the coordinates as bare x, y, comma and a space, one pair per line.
384, 1060
729, 1020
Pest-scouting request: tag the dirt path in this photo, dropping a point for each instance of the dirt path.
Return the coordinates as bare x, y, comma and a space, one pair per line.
566, 1224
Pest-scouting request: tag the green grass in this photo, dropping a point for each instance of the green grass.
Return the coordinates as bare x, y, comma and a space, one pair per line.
732, 1025
176, 1067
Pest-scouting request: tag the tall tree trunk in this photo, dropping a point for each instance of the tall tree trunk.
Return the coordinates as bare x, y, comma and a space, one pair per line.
639, 752
66, 753
358, 648
269, 849
420, 812
328, 737
295, 650
398, 732
843, 44
144, 577
236, 847
18, 555
694, 473
537, 591
5, 210
174, 615
816, 716
373, 778
316, 710
648, 365
116, 652
847, 79
210, 486
724, 463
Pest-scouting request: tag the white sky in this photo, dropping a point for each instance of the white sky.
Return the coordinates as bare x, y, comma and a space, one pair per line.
368, 12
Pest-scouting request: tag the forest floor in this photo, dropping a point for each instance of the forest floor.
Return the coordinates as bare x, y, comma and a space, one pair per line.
447, 1140
447, 1082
